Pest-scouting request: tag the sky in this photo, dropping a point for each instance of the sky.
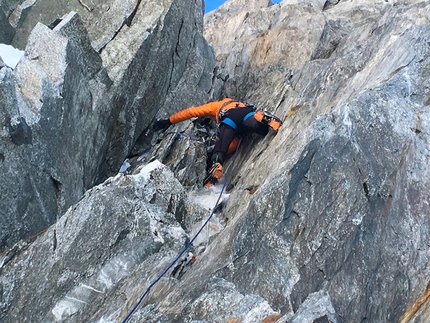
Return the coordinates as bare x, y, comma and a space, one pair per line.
213, 4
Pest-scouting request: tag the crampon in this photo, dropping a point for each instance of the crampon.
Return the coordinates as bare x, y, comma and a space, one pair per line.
268, 118
213, 175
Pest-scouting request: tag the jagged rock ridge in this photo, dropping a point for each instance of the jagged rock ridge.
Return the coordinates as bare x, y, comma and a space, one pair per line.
337, 228
78, 101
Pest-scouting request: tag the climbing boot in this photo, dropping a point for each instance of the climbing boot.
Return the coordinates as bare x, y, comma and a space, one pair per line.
275, 124
214, 174
269, 119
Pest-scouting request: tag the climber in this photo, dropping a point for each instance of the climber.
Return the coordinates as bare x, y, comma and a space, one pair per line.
234, 118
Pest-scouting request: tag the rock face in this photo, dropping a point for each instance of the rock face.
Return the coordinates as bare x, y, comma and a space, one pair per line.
77, 102
325, 221
7, 31
52, 93
352, 188
116, 255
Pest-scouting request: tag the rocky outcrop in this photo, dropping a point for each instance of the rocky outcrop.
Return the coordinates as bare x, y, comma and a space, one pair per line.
103, 19
325, 221
77, 102
66, 250
46, 98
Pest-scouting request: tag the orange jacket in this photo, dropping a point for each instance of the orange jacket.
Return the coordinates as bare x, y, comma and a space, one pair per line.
211, 109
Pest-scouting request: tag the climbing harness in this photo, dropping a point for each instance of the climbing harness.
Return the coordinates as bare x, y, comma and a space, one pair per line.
228, 121
189, 243
214, 174
222, 110
262, 116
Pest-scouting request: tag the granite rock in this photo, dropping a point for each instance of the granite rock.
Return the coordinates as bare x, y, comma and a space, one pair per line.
325, 221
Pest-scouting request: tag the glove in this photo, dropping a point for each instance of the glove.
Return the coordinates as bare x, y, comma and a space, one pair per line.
161, 125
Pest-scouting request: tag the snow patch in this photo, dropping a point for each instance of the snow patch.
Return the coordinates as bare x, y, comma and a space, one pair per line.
208, 197
213, 227
147, 169
10, 55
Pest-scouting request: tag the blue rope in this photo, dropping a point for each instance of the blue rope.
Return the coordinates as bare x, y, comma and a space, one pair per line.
189, 244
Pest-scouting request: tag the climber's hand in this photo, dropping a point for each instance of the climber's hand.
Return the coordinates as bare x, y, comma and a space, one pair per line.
161, 124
